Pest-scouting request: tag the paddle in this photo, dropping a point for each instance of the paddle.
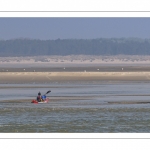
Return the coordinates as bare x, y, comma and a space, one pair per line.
47, 92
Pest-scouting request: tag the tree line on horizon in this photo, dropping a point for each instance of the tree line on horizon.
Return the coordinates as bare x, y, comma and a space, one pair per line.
101, 46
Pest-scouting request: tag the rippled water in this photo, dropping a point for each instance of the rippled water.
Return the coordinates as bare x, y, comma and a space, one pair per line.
76, 108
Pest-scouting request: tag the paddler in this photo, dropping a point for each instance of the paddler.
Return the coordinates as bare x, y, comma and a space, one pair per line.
39, 98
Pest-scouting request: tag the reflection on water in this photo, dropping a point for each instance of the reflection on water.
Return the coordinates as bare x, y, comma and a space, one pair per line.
94, 113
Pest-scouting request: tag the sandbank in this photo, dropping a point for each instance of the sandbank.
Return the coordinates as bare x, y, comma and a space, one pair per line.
47, 77
62, 98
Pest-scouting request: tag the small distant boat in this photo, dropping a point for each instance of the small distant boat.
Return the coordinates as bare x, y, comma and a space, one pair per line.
44, 99
42, 102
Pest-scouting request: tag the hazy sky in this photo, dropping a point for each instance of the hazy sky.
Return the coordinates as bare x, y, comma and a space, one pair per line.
75, 28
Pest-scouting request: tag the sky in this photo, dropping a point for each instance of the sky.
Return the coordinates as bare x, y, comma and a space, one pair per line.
73, 28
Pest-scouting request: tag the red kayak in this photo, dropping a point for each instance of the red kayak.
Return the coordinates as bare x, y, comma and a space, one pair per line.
42, 102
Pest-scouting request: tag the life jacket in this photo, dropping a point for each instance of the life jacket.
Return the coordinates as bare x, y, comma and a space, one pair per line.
38, 98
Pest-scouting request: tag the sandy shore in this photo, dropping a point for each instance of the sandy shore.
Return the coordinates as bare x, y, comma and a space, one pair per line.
46, 77
46, 69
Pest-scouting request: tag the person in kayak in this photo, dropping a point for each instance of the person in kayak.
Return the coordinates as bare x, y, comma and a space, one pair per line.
39, 98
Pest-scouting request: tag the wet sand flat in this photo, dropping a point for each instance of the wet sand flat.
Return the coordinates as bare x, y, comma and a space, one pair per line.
64, 98
77, 68
46, 77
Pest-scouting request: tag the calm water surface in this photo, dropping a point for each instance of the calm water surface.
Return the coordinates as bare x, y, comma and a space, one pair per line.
76, 108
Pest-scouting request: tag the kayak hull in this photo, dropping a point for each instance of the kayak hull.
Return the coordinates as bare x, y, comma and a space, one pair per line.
43, 102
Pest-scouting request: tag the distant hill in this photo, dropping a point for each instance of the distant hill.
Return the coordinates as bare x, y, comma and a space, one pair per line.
101, 46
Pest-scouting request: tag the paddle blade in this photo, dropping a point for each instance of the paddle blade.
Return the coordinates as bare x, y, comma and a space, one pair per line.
48, 92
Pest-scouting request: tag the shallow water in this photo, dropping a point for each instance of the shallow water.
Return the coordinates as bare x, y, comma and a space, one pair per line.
76, 108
